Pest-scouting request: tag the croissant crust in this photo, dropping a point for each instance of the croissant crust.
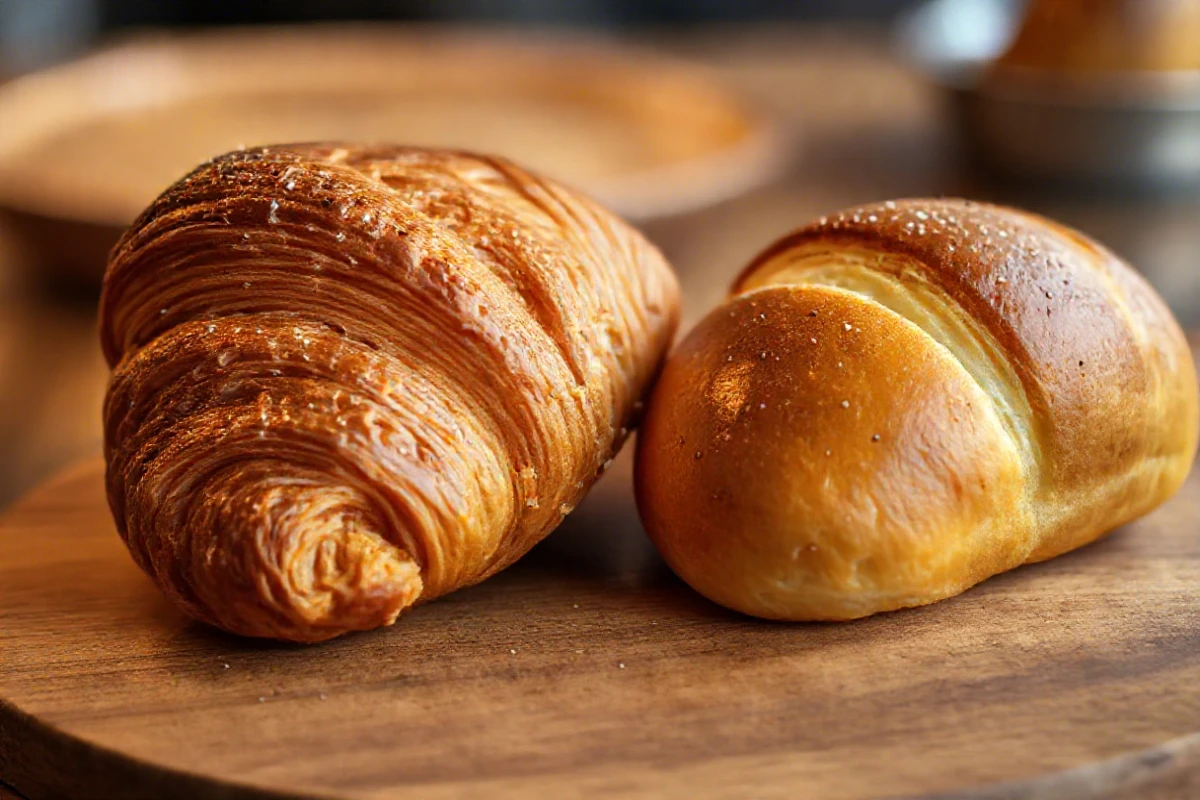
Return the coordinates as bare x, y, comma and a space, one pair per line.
349, 379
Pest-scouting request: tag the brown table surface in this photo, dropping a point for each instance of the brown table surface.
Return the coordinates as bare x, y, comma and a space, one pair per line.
867, 129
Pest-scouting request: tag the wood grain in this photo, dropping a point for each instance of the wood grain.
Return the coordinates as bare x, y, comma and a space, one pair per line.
588, 669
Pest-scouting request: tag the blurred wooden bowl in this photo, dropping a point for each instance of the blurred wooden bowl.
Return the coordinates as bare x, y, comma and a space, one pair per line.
85, 146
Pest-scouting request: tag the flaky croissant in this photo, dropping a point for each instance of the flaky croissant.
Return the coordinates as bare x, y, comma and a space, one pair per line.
348, 379
904, 399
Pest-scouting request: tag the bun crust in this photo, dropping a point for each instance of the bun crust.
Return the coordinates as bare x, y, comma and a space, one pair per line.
348, 379
904, 399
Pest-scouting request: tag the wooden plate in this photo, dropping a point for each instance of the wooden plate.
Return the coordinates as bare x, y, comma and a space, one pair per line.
84, 147
588, 670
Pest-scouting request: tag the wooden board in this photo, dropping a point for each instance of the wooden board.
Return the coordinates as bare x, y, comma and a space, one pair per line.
87, 145
589, 670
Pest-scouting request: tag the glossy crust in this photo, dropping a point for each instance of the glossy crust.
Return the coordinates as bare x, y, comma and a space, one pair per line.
904, 399
348, 379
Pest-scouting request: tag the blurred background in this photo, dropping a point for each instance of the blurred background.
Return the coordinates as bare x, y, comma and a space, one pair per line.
36, 32
715, 125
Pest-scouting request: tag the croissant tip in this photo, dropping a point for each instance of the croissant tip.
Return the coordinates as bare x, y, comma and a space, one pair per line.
314, 588
372, 592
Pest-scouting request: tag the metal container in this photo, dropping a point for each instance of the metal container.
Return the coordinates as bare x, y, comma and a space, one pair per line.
1137, 130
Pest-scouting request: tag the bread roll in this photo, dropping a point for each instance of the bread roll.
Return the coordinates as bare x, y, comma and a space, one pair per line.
350, 379
904, 399
1090, 36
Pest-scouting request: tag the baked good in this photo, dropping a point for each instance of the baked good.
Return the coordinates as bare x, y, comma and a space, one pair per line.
349, 379
1090, 36
903, 399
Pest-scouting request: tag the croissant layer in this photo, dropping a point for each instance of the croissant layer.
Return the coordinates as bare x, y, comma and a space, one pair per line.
348, 379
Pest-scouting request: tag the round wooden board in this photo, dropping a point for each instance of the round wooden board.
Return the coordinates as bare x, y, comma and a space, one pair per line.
588, 670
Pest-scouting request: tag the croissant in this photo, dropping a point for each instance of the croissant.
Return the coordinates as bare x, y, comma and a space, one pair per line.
350, 379
904, 399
